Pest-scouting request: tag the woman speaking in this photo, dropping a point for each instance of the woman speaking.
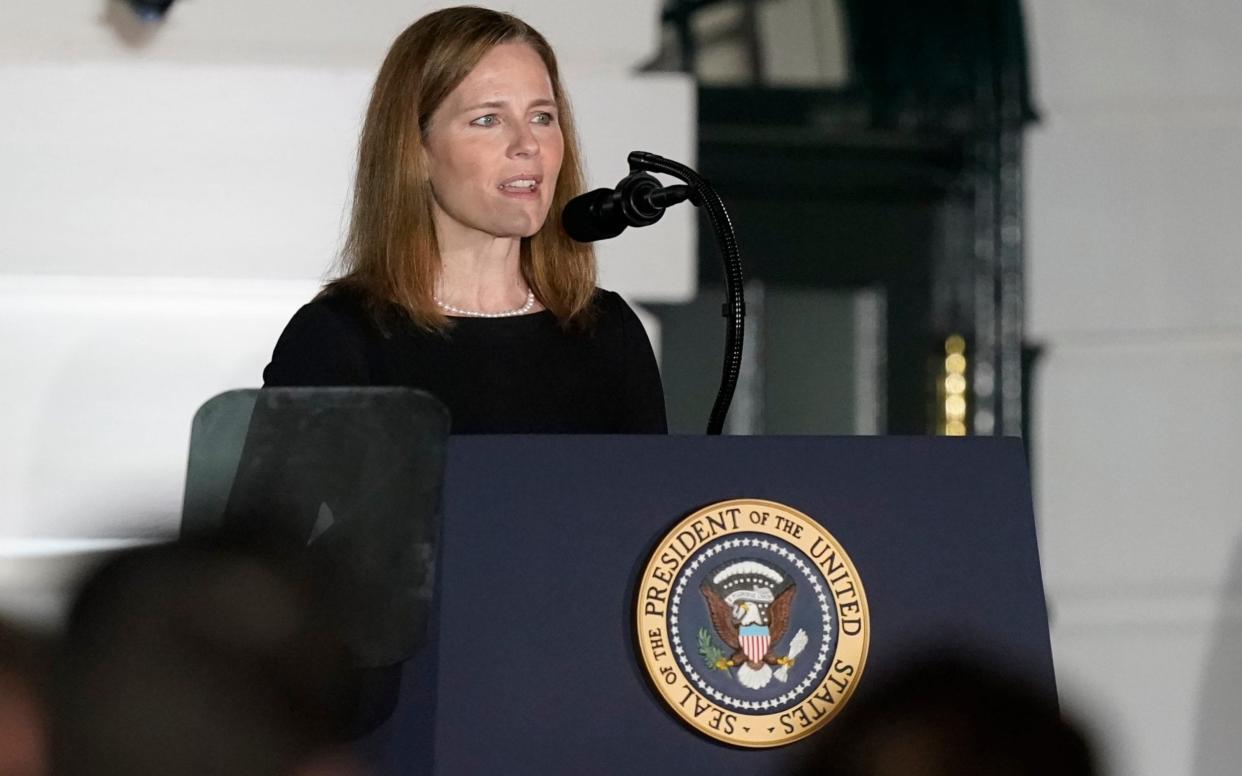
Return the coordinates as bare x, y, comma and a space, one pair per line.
456, 280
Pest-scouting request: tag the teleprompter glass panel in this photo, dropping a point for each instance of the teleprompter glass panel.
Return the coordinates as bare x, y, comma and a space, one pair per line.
348, 477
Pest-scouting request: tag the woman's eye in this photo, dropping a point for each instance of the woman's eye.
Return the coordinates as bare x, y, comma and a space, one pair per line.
543, 118
485, 121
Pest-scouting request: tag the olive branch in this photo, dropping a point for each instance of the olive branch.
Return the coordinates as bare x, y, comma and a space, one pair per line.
711, 653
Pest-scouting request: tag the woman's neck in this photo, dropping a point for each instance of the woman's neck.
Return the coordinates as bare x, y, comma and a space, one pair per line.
481, 272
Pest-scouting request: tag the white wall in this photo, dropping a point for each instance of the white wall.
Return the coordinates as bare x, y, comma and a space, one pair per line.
593, 34
1134, 280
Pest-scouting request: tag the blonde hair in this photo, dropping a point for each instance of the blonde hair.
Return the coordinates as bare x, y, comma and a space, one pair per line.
390, 253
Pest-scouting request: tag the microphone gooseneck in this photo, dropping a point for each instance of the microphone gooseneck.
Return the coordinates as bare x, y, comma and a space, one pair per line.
640, 200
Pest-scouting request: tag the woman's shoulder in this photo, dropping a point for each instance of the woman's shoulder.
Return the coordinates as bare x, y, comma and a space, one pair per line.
324, 343
614, 316
609, 305
347, 310
342, 300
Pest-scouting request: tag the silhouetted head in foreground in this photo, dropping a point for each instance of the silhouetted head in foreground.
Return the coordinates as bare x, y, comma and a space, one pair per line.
948, 717
192, 660
23, 728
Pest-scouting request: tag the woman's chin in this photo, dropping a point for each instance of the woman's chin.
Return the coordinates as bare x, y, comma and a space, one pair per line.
520, 227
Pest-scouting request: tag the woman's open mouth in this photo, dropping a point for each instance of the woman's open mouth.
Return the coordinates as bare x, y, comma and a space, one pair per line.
521, 186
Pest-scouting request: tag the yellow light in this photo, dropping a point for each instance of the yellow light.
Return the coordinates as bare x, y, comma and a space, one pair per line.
954, 386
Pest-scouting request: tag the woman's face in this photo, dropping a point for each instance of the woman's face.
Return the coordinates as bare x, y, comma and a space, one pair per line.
494, 147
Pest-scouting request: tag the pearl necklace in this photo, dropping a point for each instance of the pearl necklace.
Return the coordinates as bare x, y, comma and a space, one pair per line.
530, 303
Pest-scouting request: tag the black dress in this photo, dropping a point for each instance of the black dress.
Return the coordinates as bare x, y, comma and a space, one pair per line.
523, 374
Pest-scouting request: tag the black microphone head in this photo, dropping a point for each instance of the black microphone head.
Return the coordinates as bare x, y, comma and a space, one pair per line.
589, 217
150, 10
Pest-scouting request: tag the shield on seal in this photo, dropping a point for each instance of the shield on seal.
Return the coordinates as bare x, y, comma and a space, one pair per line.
754, 639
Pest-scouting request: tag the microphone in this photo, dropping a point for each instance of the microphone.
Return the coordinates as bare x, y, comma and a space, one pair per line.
638, 200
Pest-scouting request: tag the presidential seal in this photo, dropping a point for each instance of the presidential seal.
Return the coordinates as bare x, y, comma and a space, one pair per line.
752, 623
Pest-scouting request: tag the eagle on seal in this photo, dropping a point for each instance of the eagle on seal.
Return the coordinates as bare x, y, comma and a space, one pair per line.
747, 629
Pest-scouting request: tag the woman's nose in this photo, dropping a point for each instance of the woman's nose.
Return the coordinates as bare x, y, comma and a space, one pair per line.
523, 142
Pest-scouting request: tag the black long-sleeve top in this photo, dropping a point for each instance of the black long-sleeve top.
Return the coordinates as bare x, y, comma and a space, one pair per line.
522, 374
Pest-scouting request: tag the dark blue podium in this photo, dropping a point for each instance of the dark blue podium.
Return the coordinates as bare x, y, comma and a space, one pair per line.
532, 664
